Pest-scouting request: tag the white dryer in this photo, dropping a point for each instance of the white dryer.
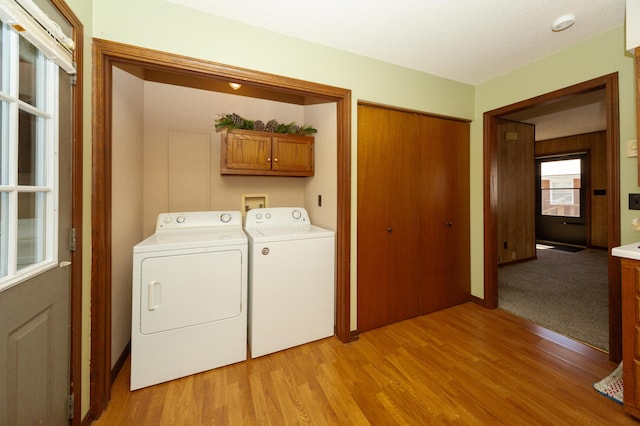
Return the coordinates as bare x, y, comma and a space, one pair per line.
189, 300
291, 280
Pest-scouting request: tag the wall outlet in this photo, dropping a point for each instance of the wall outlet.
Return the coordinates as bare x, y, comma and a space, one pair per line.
634, 201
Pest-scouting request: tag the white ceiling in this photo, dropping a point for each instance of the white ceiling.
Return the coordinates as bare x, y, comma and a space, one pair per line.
470, 41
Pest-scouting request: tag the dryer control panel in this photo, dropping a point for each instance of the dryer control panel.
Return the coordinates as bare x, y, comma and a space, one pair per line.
203, 219
277, 216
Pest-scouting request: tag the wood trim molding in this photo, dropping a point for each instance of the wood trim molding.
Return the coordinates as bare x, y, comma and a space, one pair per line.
101, 236
637, 62
610, 84
613, 221
105, 55
490, 191
343, 235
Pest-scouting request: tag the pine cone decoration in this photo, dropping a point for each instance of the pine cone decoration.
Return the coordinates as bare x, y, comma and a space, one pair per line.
271, 126
294, 129
259, 125
237, 120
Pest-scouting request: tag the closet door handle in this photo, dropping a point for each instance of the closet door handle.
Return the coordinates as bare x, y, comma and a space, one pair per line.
449, 224
389, 229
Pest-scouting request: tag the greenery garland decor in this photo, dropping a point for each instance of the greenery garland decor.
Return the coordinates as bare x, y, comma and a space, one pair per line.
234, 121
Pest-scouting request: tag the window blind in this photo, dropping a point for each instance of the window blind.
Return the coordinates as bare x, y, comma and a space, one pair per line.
34, 25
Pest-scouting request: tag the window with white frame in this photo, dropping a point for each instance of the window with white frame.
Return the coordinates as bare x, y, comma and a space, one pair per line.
560, 187
28, 144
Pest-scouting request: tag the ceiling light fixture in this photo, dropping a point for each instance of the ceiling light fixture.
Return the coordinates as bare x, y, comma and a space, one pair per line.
563, 22
235, 86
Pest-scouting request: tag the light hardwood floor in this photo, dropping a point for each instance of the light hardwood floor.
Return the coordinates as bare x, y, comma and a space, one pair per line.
463, 365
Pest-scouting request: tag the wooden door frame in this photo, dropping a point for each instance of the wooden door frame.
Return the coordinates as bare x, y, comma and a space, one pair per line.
105, 55
610, 85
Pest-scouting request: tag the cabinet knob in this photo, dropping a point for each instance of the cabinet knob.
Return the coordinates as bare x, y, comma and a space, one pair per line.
389, 229
269, 160
275, 159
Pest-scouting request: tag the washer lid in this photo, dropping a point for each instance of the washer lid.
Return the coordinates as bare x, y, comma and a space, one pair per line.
274, 233
192, 238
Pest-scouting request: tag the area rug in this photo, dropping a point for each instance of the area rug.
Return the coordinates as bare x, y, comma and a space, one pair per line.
611, 386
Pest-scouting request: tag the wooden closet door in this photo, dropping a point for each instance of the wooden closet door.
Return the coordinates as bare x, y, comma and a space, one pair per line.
444, 197
388, 217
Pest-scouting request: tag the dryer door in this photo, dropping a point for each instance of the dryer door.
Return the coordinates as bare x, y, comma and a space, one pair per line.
184, 290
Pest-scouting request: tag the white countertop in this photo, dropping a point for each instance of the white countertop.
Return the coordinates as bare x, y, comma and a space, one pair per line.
629, 251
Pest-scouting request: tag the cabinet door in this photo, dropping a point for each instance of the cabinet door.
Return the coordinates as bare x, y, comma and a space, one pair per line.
247, 152
630, 300
292, 154
444, 225
388, 217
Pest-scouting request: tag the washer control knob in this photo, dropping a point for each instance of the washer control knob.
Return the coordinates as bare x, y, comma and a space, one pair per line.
225, 218
167, 219
296, 214
180, 219
267, 215
258, 216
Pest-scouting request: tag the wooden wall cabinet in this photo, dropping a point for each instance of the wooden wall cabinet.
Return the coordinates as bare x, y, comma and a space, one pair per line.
246, 152
631, 334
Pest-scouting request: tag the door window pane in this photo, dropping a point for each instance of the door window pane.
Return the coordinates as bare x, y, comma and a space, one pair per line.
30, 151
4, 237
28, 160
28, 72
4, 146
560, 187
2, 55
31, 228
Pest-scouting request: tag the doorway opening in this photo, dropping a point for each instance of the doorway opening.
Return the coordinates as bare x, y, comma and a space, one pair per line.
609, 84
183, 69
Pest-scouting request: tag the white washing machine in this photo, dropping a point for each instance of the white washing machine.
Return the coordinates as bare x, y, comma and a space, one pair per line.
189, 301
291, 280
